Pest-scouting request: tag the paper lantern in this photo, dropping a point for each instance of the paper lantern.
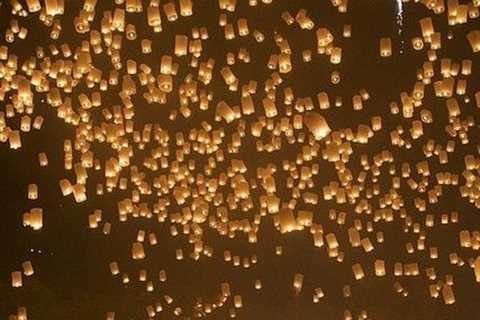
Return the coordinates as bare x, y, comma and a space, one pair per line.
284, 63
287, 220
347, 30
53, 7
417, 43
426, 26
33, 219
476, 268
114, 269
298, 283
153, 17
14, 139
170, 11
243, 27
316, 124
138, 252
336, 55
237, 301
162, 276
385, 47
181, 45
331, 241
179, 254
380, 268
447, 294
34, 6
146, 45
186, 8
473, 38
358, 271
324, 37
17, 279
269, 107
27, 268
150, 311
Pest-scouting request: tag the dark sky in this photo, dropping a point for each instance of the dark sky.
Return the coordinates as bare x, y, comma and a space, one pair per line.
72, 278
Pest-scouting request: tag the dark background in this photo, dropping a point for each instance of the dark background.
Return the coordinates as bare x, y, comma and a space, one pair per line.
72, 279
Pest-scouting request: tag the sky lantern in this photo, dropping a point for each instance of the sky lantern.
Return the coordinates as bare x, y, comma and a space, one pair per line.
317, 125
228, 139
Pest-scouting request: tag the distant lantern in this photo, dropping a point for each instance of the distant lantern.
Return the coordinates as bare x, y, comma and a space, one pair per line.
336, 55
33, 219
34, 6
79, 193
53, 7
447, 294
358, 271
179, 254
14, 139
243, 27
317, 125
380, 268
181, 45
417, 43
17, 279
324, 37
287, 220
138, 252
335, 77
162, 276
269, 107
114, 269
146, 45
284, 63
154, 18
473, 38
186, 8
32, 191
332, 242
27, 268
347, 31
385, 47
426, 26
298, 283
170, 11
323, 100
237, 301
131, 32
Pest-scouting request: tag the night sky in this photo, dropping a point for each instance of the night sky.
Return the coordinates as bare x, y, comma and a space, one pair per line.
72, 278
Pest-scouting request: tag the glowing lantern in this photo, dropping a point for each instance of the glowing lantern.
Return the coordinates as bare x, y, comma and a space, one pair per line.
358, 271
27, 268
297, 283
138, 252
287, 220
385, 47
17, 279
237, 301
181, 45
447, 294
476, 269
380, 268
473, 38
317, 125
